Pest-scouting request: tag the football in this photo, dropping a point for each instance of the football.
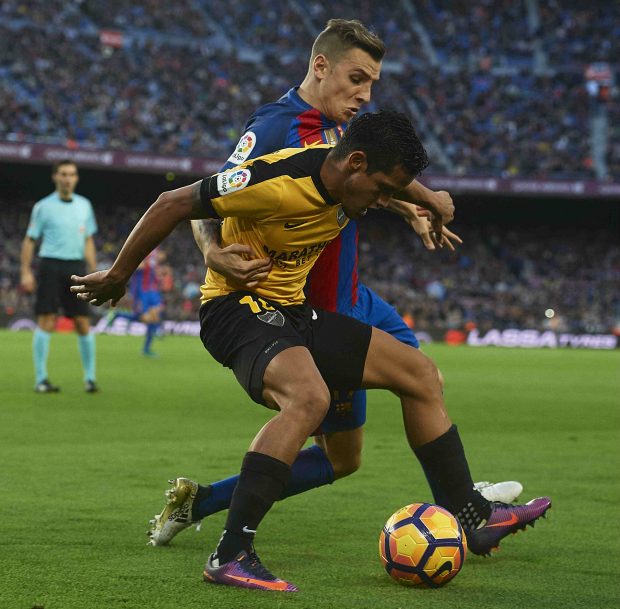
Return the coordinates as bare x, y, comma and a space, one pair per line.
422, 545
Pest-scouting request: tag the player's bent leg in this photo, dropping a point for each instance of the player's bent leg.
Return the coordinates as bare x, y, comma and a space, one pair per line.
343, 449
292, 385
187, 502
437, 444
413, 376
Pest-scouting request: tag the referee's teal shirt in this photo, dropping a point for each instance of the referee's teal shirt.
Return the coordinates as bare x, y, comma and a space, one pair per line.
63, 226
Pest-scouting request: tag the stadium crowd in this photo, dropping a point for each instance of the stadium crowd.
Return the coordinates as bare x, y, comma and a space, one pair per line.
498, 279
182, 79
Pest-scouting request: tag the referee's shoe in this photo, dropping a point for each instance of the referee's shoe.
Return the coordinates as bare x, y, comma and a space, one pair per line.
91, 387
46, 387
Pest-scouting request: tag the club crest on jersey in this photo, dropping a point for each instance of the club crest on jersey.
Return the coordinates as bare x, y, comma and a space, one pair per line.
244, 148
231, 181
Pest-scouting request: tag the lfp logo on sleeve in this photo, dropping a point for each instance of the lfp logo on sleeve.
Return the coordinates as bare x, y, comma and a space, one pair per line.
244, 148
231, 181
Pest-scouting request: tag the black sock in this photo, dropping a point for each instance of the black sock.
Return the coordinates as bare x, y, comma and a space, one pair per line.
445, 465
261, 482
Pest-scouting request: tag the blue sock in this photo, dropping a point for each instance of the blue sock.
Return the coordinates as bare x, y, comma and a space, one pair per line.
151, 332
40, 350
311, 469
87, 353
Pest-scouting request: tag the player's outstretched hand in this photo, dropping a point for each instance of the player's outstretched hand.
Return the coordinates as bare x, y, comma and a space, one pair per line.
235, 262
98, 288
448, 238
432, 239
420, 220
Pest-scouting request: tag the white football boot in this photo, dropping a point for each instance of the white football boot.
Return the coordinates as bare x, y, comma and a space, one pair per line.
505, 492
177, 513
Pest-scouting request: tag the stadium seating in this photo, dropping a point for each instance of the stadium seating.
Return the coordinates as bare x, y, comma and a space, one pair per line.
182, 79
495, 282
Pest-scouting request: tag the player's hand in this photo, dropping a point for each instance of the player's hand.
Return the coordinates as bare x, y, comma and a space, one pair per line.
444, 206
422, 226
236, 264
98, 288
28, 282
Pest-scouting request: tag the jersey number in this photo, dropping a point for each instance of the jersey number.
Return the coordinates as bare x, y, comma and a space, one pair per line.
255, 307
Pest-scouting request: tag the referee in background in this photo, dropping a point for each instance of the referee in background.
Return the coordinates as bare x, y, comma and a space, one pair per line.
65, 224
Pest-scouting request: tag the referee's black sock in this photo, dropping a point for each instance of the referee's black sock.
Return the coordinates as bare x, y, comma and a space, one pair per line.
261, 482
445, 465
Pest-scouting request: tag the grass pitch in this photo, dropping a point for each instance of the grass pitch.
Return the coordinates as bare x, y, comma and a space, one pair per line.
82, 474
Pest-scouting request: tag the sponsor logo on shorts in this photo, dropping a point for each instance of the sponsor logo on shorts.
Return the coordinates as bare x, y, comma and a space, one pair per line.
231, 181
273, 318
244, 148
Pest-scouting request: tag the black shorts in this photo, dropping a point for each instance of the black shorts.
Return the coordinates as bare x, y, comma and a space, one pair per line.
53, 283
244, 332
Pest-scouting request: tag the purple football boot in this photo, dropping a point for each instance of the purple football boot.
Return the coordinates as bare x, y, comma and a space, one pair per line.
504, 520
245, 571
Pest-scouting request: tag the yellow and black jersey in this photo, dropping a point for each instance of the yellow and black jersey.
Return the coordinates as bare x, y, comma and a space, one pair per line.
278, 205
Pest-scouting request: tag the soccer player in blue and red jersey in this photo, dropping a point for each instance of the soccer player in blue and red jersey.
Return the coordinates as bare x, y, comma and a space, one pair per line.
146, 296
345, 62
146, 299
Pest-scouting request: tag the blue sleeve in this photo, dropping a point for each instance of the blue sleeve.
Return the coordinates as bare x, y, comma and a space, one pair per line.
35, 226
91, 223
262, 135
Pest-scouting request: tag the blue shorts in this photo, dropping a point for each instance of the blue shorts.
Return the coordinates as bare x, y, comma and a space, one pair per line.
348, 409
143, 301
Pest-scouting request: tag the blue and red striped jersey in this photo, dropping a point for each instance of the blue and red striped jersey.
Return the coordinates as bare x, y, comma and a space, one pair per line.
145, 277
292, 123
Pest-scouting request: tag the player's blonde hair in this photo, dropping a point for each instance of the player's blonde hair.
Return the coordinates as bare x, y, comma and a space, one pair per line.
340, 35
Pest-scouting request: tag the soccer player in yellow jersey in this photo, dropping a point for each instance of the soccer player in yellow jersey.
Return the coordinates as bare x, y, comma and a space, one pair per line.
288, 355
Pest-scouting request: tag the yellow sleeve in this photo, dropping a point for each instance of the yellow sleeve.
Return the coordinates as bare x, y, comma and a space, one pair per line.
244, 192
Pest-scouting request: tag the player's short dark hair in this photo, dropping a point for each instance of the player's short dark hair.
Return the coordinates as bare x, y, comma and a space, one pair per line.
340, 35
387, 138
56, 166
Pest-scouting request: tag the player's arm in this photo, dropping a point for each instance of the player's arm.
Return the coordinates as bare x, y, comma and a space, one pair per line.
90, 254
34, 232
27, 254
206, 233
230, 261
422, 225
237, 262
156, 224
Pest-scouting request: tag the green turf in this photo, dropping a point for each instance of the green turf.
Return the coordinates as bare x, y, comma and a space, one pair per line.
81, 475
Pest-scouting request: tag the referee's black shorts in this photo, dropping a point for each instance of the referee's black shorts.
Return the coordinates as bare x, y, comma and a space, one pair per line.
53, 283
245, 332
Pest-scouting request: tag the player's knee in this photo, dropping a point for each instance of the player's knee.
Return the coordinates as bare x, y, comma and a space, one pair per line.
424, 380
310, 404
47, 323
345, 465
